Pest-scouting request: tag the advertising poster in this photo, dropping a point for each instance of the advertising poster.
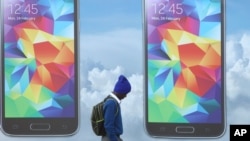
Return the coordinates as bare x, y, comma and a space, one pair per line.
111, 43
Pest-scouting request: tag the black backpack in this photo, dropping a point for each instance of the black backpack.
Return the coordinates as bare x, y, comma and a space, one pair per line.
97, 119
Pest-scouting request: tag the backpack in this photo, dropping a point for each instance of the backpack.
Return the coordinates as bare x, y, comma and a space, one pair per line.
97, 117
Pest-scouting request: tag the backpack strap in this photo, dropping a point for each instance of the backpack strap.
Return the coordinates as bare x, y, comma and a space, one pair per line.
111, 98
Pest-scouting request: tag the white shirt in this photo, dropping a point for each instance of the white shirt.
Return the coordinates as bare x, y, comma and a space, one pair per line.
115, 97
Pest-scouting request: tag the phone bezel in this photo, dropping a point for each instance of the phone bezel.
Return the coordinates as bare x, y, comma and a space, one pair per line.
58, 126
201, 130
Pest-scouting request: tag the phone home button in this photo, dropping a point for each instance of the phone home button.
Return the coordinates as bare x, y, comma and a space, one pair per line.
40, 126
184, 129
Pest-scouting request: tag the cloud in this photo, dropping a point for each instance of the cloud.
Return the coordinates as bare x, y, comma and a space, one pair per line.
238, 79
234, 52
132, 106
238, 76
246, 44
85, 66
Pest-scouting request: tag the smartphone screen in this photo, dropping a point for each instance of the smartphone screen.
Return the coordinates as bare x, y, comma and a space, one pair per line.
39, 67
184, 41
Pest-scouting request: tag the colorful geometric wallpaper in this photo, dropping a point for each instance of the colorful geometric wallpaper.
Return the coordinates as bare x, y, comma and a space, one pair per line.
39, 58
184, 62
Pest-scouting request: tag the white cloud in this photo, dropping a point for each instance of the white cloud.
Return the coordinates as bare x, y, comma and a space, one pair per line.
102, 83
238, 76
234, 52
245, 41
99, 81
238, 79
239, 114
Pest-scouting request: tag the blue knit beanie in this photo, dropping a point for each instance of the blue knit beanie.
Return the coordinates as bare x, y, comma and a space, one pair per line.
122, 86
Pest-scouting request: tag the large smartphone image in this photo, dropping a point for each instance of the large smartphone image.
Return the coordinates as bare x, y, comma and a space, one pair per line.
184, 68
39, 52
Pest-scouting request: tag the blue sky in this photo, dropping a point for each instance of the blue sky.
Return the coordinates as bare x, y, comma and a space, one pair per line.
111, 44
237, 16
105, 15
